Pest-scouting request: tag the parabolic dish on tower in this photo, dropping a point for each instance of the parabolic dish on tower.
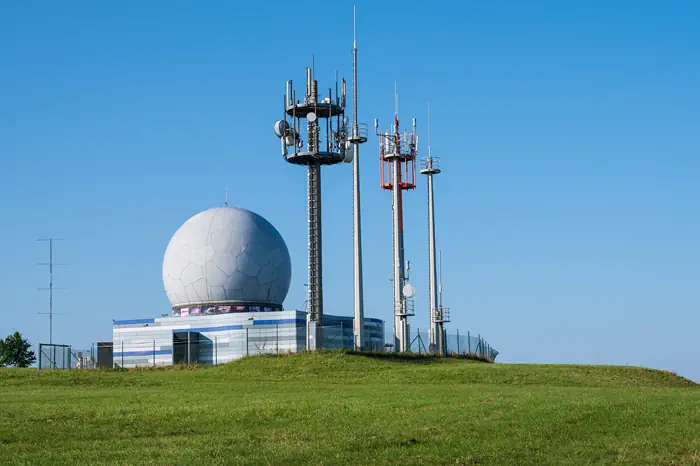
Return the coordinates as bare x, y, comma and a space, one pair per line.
226, 254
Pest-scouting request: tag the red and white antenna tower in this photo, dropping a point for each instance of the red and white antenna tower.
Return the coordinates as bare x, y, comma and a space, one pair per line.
397, 158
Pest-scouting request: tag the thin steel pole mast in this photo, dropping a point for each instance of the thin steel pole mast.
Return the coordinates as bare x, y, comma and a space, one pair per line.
440, 324
51, 288
432, 167
50, 291
359, 314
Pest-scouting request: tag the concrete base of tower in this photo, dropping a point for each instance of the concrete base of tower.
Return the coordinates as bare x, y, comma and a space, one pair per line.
314, 336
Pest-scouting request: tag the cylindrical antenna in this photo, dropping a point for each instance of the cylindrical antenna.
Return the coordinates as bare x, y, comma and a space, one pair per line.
309, 78
396, 100
354, 27
342, 104
429, 151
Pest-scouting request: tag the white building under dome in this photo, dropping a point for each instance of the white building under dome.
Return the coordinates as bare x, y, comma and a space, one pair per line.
226, 272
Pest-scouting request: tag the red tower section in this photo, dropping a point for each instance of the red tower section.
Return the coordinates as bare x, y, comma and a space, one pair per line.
400, 149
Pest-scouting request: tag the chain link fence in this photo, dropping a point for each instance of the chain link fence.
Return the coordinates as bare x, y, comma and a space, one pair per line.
199, 348
457, 343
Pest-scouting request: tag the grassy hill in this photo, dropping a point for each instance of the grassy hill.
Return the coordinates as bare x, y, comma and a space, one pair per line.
339, 408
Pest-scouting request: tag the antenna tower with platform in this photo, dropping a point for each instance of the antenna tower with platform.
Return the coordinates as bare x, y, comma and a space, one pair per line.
313, 133
397, 158
430, 166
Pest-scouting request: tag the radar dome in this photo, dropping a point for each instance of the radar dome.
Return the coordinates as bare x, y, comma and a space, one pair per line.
226, 254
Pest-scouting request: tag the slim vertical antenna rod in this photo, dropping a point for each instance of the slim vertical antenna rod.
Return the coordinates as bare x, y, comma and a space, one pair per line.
396, 100
354, 27
226, 201
429, 151
357, 137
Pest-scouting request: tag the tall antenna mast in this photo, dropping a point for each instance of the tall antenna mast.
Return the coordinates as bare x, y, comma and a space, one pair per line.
51, 288
397, 154
358, 136
430, 166
321, 119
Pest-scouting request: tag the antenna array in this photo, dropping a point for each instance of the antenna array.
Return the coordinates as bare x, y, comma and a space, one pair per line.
313, 132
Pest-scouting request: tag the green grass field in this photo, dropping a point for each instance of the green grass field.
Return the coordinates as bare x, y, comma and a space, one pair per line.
336, 409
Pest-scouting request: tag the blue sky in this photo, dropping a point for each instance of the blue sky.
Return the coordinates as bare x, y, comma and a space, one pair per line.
567, 211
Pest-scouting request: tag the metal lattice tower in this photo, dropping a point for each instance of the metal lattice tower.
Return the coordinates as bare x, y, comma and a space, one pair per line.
397, 155
50, 264
324, 125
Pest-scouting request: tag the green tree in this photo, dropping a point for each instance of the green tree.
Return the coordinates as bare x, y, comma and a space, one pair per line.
15, 351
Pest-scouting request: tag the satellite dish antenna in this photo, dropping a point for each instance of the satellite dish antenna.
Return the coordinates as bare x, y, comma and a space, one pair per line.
311, 117
281, 128
409, 290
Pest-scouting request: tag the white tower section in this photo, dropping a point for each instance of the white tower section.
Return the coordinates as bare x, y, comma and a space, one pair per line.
430, 166
357, 137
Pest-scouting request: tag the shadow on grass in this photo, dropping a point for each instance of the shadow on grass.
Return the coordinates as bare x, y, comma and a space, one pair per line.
415, 357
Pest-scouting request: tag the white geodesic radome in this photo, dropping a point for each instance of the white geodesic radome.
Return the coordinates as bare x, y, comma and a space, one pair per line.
227, 254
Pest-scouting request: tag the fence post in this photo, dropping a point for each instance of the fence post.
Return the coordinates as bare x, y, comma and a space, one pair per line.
188, 348
122, 353
277, 338
40, 351
154, 353
342, 336
216, 350
457, 341
246, 341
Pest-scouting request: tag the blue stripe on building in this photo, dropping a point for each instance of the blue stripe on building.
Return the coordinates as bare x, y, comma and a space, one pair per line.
134, 321
280, 321
209, 329
142, 353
